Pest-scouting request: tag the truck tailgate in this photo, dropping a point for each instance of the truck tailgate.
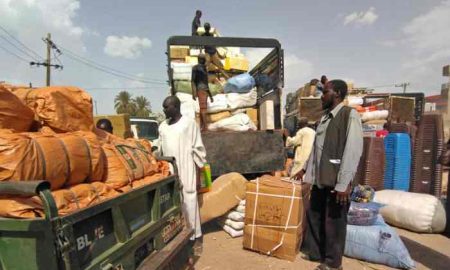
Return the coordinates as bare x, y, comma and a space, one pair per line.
244, 152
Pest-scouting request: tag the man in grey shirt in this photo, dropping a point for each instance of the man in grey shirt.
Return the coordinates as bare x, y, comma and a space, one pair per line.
330, 170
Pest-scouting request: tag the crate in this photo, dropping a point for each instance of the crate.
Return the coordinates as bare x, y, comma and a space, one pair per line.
398, 161
371, 166
427, 171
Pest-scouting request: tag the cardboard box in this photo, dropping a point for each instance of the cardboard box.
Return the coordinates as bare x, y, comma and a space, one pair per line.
191, 60
236, 63
253, 114
274, 223
179, 52
267, 115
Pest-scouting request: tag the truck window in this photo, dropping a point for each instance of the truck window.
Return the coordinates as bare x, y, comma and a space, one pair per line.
147, 130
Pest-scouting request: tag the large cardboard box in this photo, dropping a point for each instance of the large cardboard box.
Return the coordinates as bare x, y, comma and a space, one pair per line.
267, 115
274, 215
179, 52
236, 63
253, 115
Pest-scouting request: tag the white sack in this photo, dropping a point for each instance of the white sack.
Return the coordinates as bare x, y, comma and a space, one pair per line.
235, 216
182, 71
236, 100
413, 211
232, 232
355, 101
375, 115
238, 122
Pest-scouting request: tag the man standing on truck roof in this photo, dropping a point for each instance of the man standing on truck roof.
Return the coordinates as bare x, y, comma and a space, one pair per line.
200, 89
303, 143
179, 137
330, 169
196, 22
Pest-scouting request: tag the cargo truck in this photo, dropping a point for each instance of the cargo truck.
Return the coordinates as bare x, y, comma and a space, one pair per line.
249, 152
140, 229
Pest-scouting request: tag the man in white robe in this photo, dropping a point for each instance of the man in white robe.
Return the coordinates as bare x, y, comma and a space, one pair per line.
180, 137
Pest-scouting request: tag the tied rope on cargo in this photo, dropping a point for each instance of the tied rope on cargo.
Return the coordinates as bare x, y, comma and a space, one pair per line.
285, 227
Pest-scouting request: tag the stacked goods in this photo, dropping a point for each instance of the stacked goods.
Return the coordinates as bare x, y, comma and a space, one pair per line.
83, 167
421, 213
31, 156
14, 114
237, 122
226, 192
398, 161
402, 109
242, 83
311, 108
236, 63
62, 108
274, 216
371, 165
427, 171
233, 221
409, 129
179, 52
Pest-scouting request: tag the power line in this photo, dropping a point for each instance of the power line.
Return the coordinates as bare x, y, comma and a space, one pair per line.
110, 69
17, 56
68, 54
23, 45
17, 48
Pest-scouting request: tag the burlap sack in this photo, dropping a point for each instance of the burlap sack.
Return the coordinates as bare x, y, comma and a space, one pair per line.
63, 108
13, 113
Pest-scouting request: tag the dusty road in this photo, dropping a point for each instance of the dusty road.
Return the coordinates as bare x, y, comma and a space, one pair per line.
220, 251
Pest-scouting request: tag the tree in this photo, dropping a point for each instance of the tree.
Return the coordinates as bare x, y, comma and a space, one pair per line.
123, 103
143, 108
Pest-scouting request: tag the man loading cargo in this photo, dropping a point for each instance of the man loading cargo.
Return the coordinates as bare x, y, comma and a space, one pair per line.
179, 137
212, 56
200, 89
196, 22
330, 169
303, 143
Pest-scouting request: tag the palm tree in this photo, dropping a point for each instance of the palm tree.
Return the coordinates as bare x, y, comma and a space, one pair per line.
123, 103
143, 108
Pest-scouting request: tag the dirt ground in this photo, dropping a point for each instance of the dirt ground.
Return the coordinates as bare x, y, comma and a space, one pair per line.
220, 251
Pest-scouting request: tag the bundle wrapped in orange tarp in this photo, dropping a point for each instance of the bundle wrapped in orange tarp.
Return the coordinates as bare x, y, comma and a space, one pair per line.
67, 201
63, 108
14, 114
63, 159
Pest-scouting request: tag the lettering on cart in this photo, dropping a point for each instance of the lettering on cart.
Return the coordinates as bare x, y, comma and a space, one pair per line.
173, 227
84, 242
164, 198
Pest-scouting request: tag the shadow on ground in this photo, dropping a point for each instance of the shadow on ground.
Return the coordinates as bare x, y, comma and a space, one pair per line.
425, 255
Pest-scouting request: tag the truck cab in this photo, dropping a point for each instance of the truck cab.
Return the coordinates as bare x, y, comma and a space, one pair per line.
246, 152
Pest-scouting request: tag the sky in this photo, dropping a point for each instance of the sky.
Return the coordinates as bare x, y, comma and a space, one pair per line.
371, 43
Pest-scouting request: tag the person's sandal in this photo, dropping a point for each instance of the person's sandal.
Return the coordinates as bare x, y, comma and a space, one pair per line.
325, 267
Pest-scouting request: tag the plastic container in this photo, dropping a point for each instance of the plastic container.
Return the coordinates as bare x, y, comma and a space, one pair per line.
205, 178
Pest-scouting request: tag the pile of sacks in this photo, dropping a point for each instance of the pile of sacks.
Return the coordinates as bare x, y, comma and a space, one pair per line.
233, 222
369, 238
231, 111
48, 134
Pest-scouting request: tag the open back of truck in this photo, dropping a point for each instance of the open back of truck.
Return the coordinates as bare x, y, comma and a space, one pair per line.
143, 228
247, 152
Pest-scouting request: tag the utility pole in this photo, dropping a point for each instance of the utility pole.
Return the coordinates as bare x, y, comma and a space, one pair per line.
48, 62
49, 51
404, 85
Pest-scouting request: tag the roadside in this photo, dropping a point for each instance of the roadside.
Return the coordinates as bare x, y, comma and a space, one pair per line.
220, 251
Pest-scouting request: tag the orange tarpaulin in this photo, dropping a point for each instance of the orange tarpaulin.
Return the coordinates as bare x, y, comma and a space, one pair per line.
63, 108
13, 113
